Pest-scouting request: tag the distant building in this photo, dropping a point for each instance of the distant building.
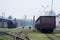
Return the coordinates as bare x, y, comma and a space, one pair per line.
7, 23
3, 23
58, 21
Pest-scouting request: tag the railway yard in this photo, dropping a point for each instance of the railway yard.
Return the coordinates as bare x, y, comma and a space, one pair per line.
27, 34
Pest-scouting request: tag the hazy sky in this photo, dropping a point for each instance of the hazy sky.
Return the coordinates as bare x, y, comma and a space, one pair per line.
19, 8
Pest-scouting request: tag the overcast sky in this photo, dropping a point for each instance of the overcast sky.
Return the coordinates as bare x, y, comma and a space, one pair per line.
19, 8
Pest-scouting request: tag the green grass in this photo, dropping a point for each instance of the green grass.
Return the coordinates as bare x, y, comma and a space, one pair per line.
38, 36
33, 35
5, 37
10, 31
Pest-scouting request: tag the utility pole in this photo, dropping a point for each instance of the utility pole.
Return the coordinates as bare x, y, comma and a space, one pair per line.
33, 20
52, 6
3, 14
3, 17
25, 20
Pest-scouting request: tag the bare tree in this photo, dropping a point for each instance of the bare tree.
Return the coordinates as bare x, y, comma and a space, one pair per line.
10, 17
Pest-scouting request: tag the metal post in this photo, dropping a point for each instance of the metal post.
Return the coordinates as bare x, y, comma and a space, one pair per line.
25, 20
33, 21
3, 15
52, 6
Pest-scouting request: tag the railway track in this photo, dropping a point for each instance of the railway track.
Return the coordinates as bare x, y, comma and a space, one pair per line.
52, 37
15, 38
25, 35
22, 33
48, 37
56, 35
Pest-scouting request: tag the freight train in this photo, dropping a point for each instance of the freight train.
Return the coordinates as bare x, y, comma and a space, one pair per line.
46, 24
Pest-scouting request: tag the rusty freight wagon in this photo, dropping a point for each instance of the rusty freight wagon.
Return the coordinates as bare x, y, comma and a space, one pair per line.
46, 24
